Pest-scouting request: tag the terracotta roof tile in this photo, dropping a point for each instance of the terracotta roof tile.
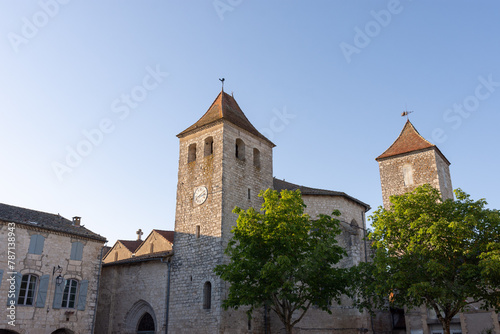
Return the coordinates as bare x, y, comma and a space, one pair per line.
140, 258
409, 140
131, 245
282, 184
48, 221
225, 107
169, 235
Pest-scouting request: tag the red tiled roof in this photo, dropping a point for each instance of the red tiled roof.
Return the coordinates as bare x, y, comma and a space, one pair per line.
131, 245
141, 258
225, 107
169, 235
409, 140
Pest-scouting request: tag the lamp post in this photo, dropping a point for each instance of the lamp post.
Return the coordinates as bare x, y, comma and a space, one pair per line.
59, 278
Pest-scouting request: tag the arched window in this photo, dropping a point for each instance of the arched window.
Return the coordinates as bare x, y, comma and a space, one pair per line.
209, 146
207, 295
192, 153
256, 158
408, 175
146, 324
240, 149
27, 290
69, 294
355, 226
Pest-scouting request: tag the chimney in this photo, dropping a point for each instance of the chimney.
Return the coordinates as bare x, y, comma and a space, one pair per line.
76, 220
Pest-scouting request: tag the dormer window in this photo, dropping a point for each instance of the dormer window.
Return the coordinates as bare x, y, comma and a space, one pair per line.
240, 149
209, 146
192, 153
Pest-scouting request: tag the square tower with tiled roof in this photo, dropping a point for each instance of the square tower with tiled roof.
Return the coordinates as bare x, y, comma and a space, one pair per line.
410, 162
224, 161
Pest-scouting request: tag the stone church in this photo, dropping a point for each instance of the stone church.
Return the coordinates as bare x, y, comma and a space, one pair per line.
224, 161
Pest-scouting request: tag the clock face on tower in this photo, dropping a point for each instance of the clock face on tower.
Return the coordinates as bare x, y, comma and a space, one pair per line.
200, 195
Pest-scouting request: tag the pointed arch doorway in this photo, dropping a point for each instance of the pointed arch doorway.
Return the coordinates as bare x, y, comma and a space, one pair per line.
146, 324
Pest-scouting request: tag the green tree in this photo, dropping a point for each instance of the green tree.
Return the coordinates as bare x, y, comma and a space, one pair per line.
442, 254
283, 258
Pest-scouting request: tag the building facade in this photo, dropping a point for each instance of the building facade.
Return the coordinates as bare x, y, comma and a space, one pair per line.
48, 273
134, 289
225, 162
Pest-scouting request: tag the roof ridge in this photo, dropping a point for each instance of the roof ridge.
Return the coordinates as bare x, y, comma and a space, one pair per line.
225, 108
404, 143
32, 210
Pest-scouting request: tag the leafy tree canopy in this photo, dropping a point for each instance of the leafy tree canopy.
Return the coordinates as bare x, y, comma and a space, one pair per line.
443, 254
283, 258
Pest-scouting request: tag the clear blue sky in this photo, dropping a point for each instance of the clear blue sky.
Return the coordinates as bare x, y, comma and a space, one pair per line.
325, 80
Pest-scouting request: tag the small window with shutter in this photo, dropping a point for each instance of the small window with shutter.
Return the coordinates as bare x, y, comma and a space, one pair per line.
36, 244
76, 251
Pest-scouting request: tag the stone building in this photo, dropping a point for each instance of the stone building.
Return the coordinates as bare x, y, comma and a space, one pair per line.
409, 162
224, 162
134, 289
49, 272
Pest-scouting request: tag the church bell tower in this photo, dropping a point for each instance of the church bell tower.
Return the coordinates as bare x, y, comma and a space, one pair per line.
412, 161
223, 162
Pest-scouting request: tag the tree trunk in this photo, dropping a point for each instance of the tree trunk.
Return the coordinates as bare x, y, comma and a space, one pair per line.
446, 325
288, 328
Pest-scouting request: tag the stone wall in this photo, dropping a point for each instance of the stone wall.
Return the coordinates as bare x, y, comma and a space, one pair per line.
127, 292
344, 318
427, 166
242, 182
231, 181
56, 252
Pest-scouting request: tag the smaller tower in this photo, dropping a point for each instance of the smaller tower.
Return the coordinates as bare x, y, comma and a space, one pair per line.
410, 162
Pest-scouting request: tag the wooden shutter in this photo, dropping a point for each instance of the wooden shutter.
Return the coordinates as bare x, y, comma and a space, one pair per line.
82, 295
41, 296
58, 294
76, 251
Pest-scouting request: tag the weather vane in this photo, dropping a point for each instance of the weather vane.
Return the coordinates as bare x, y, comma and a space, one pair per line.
406, 113
222, 80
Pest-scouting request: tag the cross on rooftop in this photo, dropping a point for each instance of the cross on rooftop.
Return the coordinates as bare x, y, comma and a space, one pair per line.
139, 234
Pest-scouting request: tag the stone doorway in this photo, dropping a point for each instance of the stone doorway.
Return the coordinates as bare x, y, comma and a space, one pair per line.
146, 324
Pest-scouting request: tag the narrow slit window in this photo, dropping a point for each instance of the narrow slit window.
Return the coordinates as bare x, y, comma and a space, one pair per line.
407, 175
198, 231
240, 149
249, 193
256, 158
192, 153
207, 295
209, 146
